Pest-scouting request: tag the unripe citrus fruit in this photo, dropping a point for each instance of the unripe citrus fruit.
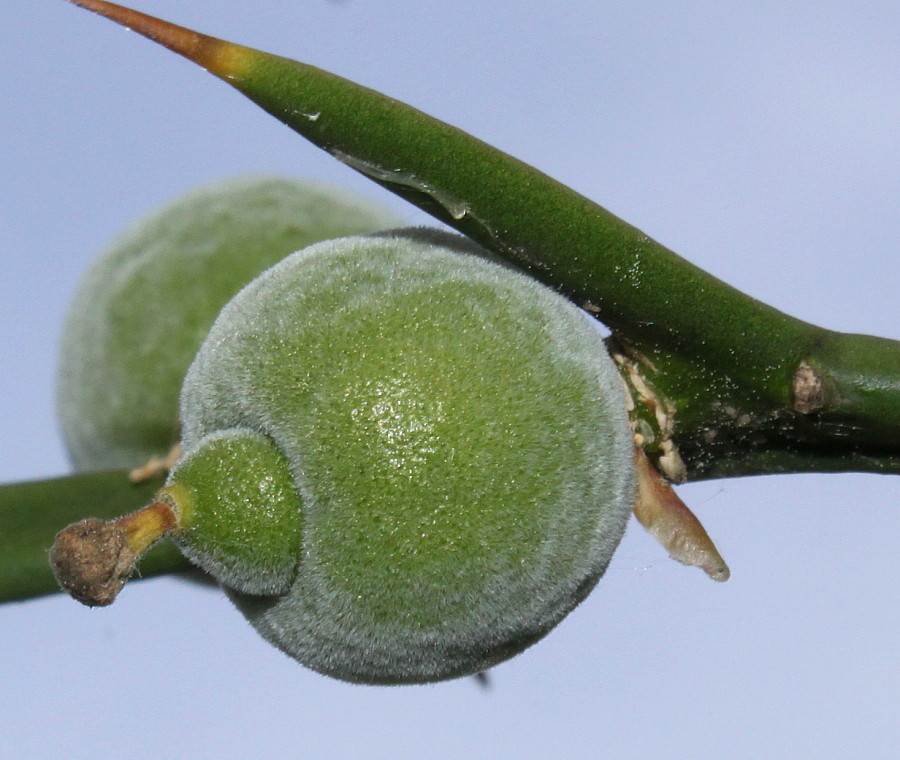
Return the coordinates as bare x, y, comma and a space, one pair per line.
405, 462
145, 305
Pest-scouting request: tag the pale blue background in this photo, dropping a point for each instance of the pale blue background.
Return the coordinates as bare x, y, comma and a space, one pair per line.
758, 139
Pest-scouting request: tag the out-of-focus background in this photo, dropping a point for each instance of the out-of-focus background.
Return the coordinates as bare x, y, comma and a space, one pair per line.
759, 140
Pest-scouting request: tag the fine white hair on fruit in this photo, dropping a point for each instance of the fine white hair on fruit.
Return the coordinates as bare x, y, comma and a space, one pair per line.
458, 439
145, 304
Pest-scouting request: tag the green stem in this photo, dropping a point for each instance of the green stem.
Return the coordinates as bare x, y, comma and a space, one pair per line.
32, 513
735, 377
839, 411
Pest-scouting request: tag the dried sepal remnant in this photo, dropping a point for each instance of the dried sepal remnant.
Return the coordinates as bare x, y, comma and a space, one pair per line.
667, 518
654, 428
156, 466
92, 559
657, 507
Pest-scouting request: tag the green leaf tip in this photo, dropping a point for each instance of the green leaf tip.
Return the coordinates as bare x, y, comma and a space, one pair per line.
217, 56
562, 238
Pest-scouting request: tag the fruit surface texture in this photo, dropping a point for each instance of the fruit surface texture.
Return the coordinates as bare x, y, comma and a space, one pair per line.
457, 437
147, 302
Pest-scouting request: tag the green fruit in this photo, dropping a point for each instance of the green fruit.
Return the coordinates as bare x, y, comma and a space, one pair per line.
437, 443
146, 304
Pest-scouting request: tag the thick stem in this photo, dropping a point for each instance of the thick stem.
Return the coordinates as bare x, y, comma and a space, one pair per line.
824, 418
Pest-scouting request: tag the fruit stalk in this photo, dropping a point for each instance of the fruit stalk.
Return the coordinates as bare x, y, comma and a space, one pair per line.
31, 513
92, 559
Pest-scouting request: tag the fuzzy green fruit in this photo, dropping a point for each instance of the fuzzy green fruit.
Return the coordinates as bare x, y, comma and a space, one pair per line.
147, 302
441, 442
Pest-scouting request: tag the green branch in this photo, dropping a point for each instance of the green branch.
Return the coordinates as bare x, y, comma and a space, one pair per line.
736, 387
838, 411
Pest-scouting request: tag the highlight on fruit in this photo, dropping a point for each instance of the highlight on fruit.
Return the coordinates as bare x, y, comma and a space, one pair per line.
403, 461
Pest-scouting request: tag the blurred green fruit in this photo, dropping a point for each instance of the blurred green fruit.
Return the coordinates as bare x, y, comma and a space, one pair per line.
147, 302
404, 461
